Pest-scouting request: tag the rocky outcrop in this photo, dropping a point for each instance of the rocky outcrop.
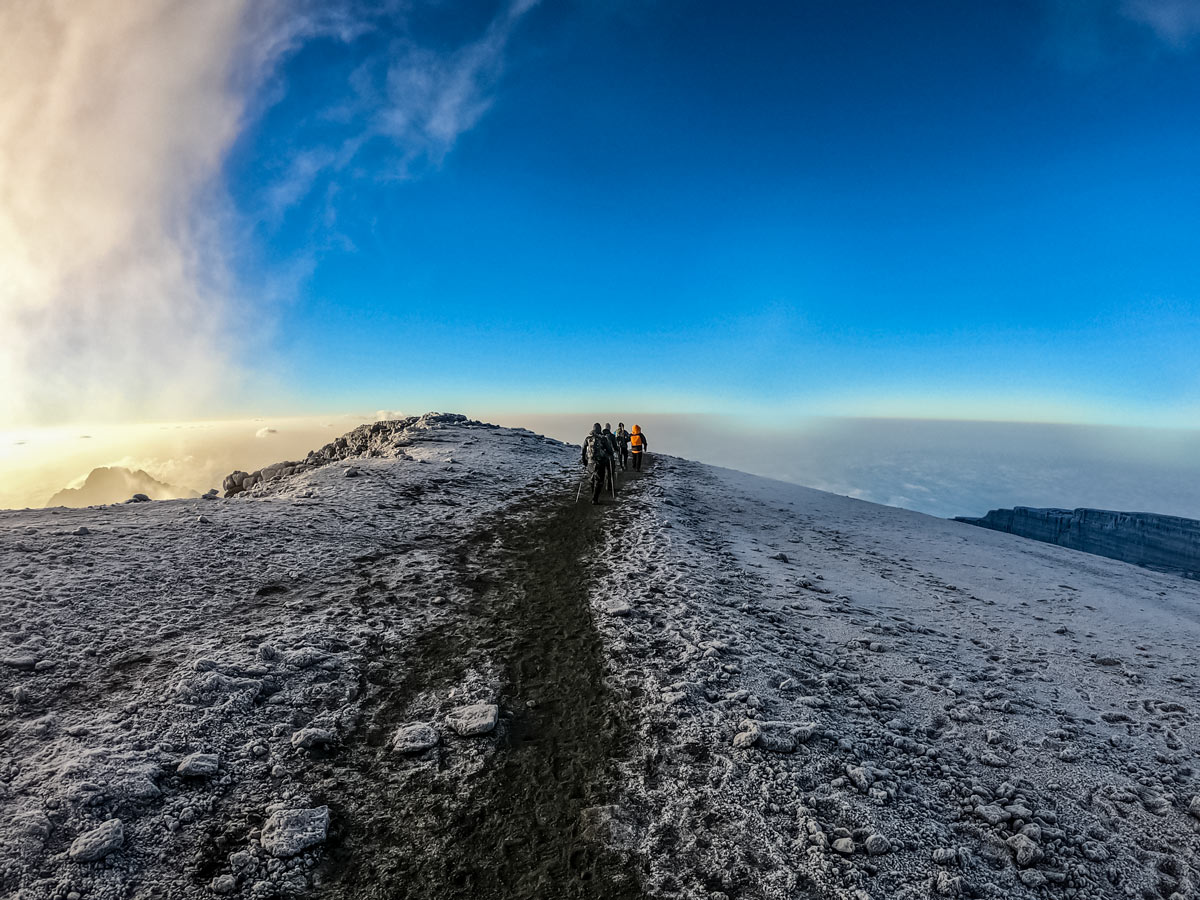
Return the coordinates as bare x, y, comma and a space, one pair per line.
1169, 543
378, 439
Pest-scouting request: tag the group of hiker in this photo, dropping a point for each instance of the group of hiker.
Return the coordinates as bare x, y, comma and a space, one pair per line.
604, 450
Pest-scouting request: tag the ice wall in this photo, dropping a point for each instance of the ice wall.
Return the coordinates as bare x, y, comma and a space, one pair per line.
1146, 539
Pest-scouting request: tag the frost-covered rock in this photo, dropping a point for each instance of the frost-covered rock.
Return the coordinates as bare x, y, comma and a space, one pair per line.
199, 765
99, 842
309, 738
290, 831
415, 738
476, 719
1025, 849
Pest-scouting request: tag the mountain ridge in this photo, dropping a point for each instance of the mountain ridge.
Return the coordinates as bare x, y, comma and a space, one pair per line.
115, 484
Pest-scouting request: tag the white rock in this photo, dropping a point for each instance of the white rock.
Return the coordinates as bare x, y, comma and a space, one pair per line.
99, 842
479, 718
290, 831
199, 764
414, 738
307, 738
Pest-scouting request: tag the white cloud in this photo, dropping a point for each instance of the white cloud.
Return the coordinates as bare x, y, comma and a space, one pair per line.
118, 293
263, 432
115, 236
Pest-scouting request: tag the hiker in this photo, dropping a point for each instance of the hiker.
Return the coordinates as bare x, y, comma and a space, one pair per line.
596, 457
623, 442
639, 446
614, 450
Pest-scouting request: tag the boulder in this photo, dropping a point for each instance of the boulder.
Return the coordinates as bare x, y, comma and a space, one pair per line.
99, 842
290, 831
469, 721
415, 738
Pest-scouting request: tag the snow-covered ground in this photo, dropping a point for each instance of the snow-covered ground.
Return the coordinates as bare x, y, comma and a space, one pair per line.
719, 686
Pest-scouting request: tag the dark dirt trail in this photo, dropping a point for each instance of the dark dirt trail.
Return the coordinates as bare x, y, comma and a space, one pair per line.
513, 827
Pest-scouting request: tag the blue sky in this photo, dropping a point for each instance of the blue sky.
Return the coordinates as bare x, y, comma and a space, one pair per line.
931, 209
919, 209
940, 209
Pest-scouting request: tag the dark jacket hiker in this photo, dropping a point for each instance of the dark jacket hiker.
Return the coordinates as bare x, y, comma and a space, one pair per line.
623, 442
614, 449
597, 456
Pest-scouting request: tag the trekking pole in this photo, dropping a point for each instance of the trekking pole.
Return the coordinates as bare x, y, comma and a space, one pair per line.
577, 491
612, 470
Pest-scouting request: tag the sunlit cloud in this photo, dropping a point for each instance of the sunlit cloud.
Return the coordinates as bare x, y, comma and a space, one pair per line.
119, 295
115, 235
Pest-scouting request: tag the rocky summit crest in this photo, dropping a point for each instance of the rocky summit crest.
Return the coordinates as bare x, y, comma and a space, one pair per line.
385, 439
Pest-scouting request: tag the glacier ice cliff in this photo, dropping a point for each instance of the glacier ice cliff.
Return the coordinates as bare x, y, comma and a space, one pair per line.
1170, 543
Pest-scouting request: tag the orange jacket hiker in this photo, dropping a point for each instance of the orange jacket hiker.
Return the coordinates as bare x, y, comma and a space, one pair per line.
638, 445
637, 440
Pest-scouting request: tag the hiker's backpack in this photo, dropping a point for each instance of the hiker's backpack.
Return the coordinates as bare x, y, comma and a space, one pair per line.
637, 440
597, 448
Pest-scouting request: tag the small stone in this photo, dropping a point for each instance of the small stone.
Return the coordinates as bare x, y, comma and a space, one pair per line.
744, 740
947, 885
860, 777
20, 661
224, 884
844, 845
308, 738
992, 814
479, 718
616, 607
945, 856
877, 845
1026, 851
782, 557
99, 842
290, 831
204, 520
1032, 878
1194, 806
81, 530
199, 765
415, 738
139, 498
